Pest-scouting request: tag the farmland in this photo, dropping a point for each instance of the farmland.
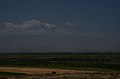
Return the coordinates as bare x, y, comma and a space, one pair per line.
61, 63
77, 61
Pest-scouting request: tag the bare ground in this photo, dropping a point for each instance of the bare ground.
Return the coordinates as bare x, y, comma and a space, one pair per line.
35, 70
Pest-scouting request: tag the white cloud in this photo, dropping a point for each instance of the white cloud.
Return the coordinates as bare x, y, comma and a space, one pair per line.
7, 27
37, 27
69, 24
29, 26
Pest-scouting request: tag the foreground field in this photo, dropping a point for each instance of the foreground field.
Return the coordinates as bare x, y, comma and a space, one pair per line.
43, 73
59, 66
70, 61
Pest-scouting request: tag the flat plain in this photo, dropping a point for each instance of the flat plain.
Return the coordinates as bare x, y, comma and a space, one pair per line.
59, 63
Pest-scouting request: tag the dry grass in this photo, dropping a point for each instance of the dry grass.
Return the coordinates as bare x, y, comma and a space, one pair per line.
73, 74
35, 70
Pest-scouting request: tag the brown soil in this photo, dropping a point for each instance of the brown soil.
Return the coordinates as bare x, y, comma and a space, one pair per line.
35, 70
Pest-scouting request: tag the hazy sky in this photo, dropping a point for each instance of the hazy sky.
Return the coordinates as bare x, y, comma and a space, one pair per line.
59, 25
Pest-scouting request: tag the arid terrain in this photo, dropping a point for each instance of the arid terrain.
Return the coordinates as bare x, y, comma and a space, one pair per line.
35, 70
45, 73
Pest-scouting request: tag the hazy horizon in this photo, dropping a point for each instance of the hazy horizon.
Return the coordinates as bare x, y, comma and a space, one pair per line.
59, 25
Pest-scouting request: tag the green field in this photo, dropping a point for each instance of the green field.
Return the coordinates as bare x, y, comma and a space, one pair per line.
77, 61
11, 74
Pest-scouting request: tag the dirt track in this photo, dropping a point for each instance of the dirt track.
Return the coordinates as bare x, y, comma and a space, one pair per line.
35, 70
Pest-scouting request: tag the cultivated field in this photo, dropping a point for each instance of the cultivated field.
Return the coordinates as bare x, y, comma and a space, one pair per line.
60, 65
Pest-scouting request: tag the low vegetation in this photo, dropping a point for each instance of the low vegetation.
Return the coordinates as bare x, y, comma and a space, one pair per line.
11, 74
75, 61
107, 65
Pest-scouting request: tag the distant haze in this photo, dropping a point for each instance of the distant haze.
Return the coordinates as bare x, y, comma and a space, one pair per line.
60, 25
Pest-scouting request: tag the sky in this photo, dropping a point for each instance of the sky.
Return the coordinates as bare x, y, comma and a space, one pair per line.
60, 25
